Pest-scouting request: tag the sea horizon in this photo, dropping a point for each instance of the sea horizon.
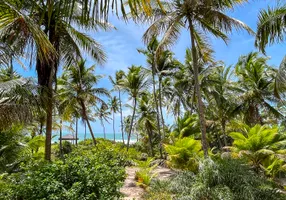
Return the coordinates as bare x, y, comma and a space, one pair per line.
109, 136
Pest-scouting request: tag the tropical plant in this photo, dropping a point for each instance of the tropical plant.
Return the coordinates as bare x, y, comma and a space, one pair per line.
199, 18
77, 89
114, 106
116, 86
219, 179
146, 118
186, 126
134, 83
103, 115
259, 145
256, 86
85, 174
185, 153
271, 27
47, 30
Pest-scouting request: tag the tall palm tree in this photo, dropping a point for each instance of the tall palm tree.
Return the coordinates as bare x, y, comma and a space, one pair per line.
116, 86
134, 83
223, 98
271, 27
103, 115
150, 54
77, 87
114, 108
256, 82
48, 29
199, 18
146, 118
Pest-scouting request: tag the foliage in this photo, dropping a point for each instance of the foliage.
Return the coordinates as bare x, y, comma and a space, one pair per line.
83, 174
271, 26
221, 179
262, 146
144, 175
67, 147
13, 149
184, 153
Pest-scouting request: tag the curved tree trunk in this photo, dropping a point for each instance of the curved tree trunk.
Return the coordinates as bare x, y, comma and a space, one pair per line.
157, 112
198, 91
87, 120
85, 130
131, 124
121, 116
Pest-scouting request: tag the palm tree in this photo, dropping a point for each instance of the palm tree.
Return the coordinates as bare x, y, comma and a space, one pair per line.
76, 88
199, 18
49, 28
134, 83
103, 115
271, 26
256, 83
114, 107
116, 86
223, 97
147, 118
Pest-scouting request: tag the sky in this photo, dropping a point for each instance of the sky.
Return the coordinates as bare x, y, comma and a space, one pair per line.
121, 48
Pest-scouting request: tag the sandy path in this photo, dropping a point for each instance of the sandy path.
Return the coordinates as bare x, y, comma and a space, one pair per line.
133, 192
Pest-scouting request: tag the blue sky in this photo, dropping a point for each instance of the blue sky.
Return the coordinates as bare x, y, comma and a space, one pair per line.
121, 44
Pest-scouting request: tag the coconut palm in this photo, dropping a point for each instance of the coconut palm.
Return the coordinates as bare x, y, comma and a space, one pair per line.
256, 82
223, 97
116, 86
200, 18
146, 118
77, 88
134, 83
271, 26
103, 115
49, 29
151, 61
114, 108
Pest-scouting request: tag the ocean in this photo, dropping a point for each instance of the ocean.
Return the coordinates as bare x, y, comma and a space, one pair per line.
109, 136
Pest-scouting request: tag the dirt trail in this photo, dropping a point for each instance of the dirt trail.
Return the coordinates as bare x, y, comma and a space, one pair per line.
133, 192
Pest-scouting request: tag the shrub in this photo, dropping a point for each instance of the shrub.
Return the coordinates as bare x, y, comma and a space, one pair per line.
83, 174
263, 147
184, 154
218, 180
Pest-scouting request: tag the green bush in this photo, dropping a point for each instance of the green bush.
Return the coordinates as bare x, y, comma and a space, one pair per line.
217, 180
83, 174
184, 154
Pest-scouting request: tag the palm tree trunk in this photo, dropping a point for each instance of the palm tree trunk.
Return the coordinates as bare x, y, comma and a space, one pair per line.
87, 121
150, 141
121, 116
223, 132
102, 124
113, 127
198, 91
131, 124
76, 131
160, 103
61, 135
85, 130
49, 124
157, 112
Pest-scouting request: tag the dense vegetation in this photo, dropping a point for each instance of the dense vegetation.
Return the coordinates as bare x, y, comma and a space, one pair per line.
227, 138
